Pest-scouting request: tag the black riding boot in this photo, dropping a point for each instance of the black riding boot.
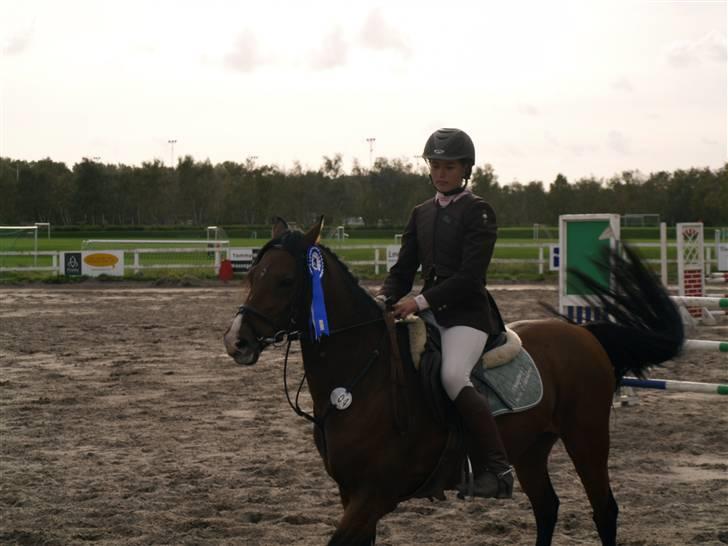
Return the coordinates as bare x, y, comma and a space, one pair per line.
493, 474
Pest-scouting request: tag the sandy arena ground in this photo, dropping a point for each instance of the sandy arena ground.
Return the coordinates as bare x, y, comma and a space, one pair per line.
122, 422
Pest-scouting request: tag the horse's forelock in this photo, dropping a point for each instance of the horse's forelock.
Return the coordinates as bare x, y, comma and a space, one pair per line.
290, 241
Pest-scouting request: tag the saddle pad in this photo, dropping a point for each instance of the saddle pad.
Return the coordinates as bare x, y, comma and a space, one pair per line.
498, 356
512, 387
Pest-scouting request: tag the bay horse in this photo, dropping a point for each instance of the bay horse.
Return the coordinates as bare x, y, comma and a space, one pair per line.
381, 443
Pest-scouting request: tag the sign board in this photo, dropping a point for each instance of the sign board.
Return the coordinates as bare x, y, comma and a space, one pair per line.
722, 256
582, 241
93, 263
242, 258
554, 257
392, 255
72, 264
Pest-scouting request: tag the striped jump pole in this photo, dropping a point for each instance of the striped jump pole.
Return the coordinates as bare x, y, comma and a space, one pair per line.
704, 304
679, 386
705, 345
719, 277
702, 301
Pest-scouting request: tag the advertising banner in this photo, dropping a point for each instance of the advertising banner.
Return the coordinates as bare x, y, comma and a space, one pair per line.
242, 258
93, 263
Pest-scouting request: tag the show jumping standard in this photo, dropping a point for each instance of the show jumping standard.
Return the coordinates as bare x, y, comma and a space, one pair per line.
373, 428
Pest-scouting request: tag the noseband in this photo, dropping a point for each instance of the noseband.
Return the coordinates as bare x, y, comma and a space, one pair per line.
278, 338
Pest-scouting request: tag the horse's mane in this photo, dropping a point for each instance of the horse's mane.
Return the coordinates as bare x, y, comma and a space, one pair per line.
292, 242
361, 293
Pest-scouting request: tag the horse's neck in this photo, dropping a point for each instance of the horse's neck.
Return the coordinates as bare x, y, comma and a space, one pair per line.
345, 304
337, 359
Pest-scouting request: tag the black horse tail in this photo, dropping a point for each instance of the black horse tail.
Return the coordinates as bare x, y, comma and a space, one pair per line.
646, 328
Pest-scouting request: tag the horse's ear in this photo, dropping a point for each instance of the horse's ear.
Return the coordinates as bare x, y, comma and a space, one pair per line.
279, 227
313, 235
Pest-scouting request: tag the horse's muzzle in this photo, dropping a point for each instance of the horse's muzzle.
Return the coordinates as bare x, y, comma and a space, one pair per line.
241, 352
247, 357
240, 349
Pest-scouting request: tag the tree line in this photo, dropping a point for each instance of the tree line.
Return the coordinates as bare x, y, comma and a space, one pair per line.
200, 193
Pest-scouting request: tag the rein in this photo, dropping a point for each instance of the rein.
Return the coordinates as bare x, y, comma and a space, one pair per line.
340, 397
320, 421
345, 391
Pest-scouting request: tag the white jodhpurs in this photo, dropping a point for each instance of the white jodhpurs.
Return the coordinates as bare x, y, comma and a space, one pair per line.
461, 348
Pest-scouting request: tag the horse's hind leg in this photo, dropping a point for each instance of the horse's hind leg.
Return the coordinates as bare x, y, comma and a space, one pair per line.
533, 475
588, 447
358, 525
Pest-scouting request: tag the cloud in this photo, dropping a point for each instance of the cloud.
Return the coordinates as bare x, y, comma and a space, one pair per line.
711, 48
681, 54
245, 54
618, 142
551, 139
378, 34
581, 150
529, 109
714, 47
514, 150
622, 84
18, 43
334, 52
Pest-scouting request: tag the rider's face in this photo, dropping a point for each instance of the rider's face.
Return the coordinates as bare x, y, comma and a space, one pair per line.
446, 175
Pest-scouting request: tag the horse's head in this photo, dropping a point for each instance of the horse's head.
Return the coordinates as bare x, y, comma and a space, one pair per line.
276, 281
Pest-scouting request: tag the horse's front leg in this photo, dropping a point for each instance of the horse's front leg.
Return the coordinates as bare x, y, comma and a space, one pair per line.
358, 525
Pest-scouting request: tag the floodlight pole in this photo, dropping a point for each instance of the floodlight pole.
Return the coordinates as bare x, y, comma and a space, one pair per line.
371, 141
171, 143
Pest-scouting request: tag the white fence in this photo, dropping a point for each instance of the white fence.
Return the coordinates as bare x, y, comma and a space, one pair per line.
207, 259
54, 256
378, 262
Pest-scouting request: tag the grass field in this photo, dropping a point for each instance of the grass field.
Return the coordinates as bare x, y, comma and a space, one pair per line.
200, 263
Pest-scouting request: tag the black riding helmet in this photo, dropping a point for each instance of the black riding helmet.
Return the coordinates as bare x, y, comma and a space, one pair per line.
449, 145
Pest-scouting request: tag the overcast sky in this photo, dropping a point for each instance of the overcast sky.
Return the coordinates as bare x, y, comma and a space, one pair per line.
582, 88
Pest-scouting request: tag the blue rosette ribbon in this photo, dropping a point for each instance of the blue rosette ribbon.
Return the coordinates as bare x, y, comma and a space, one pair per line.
319, 319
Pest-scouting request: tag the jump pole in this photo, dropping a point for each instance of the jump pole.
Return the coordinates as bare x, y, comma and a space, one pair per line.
705, 345
702, 301
719, 277
679, 386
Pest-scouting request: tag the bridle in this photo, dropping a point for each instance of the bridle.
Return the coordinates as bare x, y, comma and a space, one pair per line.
286, 336
290, 333
279, 336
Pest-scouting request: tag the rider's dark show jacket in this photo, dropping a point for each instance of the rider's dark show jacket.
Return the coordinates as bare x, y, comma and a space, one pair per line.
454, 245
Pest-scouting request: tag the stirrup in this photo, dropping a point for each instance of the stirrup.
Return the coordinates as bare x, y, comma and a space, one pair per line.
505, 484
500, 486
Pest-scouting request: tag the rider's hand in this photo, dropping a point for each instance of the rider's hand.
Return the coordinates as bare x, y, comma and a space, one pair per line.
405, 307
